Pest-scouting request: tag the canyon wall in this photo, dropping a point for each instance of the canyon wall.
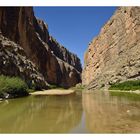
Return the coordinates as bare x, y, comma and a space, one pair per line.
13, 62
54, 62
114, 55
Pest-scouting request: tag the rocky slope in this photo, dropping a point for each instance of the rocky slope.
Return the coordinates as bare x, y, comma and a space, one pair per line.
55, 63
13, 62
113, 56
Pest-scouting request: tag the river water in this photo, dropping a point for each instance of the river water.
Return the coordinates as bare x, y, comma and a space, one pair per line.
82, 112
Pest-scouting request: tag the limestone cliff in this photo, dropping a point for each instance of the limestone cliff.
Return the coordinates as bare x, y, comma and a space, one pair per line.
56, 64
114, 55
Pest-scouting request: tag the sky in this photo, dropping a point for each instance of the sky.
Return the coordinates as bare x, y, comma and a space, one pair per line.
75, 27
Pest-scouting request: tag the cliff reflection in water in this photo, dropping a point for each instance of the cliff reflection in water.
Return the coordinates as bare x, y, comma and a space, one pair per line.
41, 114
87, 112
110, 114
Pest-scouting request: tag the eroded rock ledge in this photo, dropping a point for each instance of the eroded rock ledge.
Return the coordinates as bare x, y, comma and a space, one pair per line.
114, 55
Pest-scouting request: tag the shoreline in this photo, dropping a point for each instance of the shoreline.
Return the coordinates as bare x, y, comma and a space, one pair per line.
125, 91
54, 92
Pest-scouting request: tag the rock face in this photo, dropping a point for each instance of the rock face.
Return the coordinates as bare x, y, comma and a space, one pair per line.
113, 56
13, 62
55, 63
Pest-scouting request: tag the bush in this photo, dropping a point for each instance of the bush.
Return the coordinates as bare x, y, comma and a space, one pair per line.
13, 86
33, 86
78, 87
127, 85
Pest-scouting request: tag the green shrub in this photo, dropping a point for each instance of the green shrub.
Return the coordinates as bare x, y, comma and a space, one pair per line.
127, 85
13, 86
78, 87
33, 86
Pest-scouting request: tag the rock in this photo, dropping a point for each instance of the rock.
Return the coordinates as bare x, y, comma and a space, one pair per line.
113, 56
18, 65
54, 62
4, 96
79, 85
62, 53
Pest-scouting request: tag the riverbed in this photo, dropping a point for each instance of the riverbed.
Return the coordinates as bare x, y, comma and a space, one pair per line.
81, 112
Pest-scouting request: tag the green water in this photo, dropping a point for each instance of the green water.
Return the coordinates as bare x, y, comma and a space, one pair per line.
83, 112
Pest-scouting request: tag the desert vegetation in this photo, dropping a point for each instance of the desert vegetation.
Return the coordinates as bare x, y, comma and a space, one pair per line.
11, 87
127, 85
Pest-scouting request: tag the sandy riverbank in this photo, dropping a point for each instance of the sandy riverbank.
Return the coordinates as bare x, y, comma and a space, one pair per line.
54, 92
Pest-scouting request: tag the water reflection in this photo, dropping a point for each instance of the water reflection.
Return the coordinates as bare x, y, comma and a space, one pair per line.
41, 114
87, 112
110, 114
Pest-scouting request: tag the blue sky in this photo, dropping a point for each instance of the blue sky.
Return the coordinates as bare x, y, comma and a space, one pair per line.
74, 27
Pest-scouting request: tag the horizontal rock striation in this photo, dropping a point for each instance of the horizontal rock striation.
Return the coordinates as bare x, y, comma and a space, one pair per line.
113, 56
57, 65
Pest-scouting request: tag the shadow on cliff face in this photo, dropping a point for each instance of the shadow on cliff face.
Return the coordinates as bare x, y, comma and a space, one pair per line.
39, 114
56, 64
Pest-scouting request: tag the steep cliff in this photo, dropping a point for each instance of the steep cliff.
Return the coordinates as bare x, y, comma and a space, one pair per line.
56, 64
13, 62
113, 56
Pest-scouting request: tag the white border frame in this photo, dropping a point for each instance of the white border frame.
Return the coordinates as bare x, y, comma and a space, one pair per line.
70, 3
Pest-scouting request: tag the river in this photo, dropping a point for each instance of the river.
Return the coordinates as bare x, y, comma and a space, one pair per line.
82, 112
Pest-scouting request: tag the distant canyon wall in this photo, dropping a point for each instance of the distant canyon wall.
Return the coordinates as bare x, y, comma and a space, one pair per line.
114, 55
53, 62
